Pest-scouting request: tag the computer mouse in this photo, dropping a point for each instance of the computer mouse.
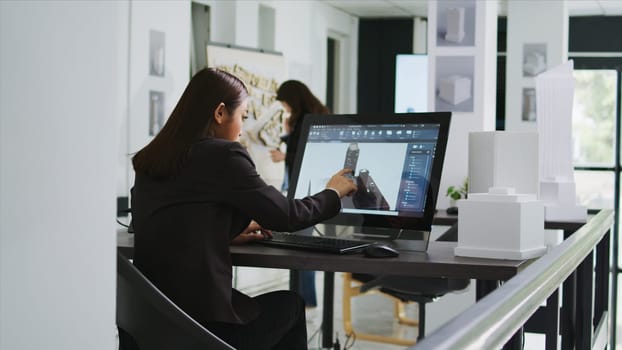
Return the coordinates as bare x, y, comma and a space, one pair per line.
380, 250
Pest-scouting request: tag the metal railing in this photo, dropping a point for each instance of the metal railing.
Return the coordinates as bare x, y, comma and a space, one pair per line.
492, 321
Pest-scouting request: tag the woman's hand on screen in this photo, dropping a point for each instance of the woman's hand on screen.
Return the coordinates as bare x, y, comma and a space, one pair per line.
343, 183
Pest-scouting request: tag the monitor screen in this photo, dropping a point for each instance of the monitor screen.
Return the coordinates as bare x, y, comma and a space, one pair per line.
396, 161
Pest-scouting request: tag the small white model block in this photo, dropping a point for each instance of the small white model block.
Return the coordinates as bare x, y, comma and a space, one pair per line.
558, 191
501, 225
503, 159
455, 89
455, 24
559, 199
553, 238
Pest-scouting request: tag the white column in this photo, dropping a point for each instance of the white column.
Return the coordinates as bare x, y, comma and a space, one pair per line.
478, 52
62, 93
537, 40
474, 58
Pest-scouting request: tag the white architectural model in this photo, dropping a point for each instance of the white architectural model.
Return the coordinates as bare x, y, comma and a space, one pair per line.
503, 159
455, 24
502, 217
501, 224
554, 98
454, 89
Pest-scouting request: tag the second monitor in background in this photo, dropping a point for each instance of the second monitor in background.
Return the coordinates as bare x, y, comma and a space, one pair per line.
411, 83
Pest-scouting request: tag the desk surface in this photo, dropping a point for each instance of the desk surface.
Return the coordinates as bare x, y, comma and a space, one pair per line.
439, 260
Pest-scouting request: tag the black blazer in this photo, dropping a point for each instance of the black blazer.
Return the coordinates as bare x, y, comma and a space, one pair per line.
184, 227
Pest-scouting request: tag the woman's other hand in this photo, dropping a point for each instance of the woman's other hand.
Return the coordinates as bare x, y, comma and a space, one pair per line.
277, 155
254, 232
343, 183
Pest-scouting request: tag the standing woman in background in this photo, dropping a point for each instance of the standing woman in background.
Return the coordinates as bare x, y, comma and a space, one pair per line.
197, 192
298, 101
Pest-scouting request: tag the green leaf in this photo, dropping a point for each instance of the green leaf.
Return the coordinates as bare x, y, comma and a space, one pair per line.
450, 191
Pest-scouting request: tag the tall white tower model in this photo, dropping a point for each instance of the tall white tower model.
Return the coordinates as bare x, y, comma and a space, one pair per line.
554, 98
455, 24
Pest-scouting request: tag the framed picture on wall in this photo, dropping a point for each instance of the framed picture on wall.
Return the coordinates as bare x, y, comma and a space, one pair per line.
534, 59
454, 83
156, 112
455, 23
156, 53
529, 105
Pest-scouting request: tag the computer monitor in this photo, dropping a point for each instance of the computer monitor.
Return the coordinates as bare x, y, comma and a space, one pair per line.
396, 160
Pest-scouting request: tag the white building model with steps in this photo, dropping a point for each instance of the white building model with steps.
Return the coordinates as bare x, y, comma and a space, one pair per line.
506, 219
554, 100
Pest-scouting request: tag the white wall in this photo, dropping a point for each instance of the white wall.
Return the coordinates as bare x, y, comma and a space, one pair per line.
548, 25
173, 18
62, 90
301, 31
482, 117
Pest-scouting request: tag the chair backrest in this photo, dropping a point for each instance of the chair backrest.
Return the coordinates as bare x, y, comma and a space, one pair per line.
152, 319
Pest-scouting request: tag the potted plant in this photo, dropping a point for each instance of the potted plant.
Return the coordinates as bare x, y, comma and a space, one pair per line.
457, 192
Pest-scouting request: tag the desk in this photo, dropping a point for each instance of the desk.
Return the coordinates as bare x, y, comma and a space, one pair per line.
439, 260
572, 322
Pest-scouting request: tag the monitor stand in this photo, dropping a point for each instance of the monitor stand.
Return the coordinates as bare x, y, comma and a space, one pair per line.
401, 239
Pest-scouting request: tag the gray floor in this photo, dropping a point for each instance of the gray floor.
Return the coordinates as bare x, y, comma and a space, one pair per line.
370, 314
373, 314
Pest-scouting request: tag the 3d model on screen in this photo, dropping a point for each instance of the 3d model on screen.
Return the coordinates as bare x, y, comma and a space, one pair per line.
368, 195
455, 25
352, 157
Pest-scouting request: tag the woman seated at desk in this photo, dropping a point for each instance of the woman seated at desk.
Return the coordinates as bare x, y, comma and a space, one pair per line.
196, 192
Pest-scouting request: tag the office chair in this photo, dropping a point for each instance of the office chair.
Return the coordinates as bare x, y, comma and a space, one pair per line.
401, 290
148, 320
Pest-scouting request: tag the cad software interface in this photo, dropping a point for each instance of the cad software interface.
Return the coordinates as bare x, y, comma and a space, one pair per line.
391, 165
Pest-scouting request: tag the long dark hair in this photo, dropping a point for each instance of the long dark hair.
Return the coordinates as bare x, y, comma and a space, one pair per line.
191, 120
301, 100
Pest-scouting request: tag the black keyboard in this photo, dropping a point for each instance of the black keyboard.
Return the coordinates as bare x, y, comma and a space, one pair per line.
324, 244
